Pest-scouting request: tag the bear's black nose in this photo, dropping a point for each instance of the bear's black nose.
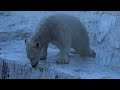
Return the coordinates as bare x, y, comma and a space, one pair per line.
34, 66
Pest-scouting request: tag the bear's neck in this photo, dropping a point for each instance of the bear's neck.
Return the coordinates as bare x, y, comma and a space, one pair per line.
42, 36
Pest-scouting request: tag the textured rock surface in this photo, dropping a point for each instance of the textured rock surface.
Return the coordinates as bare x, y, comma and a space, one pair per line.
103, 29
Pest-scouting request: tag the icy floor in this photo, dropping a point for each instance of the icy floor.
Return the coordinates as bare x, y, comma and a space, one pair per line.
78, 67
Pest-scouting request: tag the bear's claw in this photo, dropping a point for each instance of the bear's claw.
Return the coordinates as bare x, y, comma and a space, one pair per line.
62, 61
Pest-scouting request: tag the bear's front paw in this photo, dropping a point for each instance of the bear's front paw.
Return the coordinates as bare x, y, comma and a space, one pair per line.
43, 58
62, 61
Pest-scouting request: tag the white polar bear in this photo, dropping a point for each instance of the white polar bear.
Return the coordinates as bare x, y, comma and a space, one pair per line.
63, 31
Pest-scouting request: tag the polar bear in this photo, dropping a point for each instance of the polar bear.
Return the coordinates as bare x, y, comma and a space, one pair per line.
63, 31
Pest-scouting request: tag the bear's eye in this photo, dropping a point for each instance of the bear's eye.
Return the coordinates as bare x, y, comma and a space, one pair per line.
37, 44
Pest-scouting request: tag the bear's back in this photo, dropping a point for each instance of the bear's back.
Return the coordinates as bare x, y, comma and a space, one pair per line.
72, 22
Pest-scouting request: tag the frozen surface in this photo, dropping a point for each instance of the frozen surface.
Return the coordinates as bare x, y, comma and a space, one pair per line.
103, 29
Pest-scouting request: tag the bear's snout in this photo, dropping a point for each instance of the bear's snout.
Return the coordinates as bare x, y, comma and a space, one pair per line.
33, 66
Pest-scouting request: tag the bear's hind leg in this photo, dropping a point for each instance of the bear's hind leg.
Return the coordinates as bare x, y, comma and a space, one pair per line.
76, 48
73, 52
43, 54
79, 51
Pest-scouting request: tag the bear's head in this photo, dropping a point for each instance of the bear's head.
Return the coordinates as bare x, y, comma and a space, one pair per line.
33, 49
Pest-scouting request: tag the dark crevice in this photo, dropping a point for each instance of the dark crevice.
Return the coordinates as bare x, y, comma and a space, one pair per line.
56, 77
104, 38
5, 71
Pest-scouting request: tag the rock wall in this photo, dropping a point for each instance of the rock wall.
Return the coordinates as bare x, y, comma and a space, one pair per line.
102, 26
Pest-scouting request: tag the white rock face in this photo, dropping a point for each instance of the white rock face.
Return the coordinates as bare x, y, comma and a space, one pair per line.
103, 29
